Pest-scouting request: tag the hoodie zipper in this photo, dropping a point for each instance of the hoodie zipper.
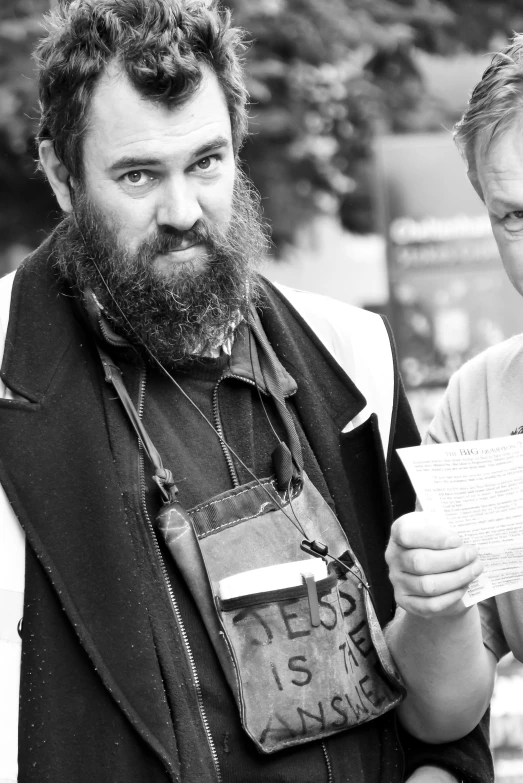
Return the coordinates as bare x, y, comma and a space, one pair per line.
174, 603
219, 427
330, 777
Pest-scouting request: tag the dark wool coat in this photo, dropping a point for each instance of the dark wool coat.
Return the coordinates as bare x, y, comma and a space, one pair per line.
106, 688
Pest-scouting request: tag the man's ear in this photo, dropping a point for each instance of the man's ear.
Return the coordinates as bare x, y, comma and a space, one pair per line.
56, 173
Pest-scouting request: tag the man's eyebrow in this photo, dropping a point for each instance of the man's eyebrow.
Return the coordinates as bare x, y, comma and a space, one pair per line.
134, 162
142, 162
505, 205
216, 144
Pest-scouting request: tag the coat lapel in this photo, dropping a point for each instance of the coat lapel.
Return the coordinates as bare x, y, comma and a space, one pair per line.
331, 390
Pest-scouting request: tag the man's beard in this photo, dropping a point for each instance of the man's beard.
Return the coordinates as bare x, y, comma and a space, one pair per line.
177, 314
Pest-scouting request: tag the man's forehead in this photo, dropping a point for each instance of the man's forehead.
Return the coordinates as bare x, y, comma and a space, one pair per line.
496, 148
122, 119
499, 161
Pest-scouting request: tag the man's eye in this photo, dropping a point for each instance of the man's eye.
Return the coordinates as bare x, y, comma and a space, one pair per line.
514, 221
207, 163
137, 178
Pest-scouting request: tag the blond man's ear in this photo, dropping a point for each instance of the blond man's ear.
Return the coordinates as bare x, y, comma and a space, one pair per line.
56, 173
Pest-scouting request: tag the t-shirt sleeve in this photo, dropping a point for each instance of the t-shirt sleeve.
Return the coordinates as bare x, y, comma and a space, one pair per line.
493, 636
446, 426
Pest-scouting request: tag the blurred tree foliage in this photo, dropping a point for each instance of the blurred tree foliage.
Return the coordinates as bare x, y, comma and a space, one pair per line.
324, 77
27, 209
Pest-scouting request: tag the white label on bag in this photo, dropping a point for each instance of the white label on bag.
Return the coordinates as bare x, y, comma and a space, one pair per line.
276, 577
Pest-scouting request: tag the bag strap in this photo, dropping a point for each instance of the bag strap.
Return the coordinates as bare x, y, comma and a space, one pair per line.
360, 343
287, 461
162, 476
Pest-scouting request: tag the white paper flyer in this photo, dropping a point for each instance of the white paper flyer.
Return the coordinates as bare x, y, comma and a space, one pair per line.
478, 487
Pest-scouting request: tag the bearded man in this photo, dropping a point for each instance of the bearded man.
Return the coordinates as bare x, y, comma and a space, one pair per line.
196, 496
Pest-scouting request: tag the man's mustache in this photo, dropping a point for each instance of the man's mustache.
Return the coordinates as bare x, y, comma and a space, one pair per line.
171, 239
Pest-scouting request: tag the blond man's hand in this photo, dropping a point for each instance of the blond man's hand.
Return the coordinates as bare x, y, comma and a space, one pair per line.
429, 566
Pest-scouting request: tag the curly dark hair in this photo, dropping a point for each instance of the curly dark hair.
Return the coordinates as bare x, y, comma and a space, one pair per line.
161, 45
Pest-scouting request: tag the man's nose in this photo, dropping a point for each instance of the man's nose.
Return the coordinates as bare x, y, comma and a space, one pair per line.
178, 205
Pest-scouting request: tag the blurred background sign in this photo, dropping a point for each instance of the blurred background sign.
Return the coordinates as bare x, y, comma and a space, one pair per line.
449, 295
